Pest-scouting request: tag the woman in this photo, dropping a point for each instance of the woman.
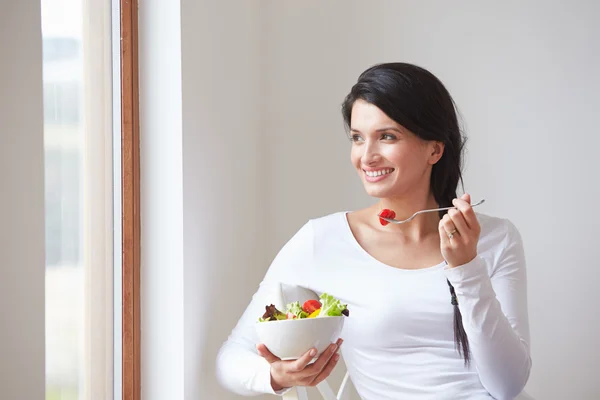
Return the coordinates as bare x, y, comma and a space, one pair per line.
438, 306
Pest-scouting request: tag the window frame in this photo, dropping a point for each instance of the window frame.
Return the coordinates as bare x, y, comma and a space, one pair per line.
130, 200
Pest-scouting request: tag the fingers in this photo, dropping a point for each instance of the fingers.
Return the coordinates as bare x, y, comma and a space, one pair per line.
458, 220
303, 361
327, 370
324, 358
449, 227
464, 206
297, 372
462, 247
266, 354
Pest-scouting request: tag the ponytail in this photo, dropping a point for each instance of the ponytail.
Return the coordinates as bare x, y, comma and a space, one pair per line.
460, 336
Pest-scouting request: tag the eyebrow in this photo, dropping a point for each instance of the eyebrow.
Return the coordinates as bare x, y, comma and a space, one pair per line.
390, 128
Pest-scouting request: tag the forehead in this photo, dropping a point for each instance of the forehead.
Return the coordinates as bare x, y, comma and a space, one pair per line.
367, 117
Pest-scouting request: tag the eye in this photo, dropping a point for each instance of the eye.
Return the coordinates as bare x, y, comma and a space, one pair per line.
388, 136
356, 138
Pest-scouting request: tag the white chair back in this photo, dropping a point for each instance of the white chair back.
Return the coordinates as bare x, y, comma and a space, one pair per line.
301, 393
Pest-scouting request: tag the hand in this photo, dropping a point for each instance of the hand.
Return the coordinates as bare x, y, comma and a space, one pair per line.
459, 233
286, 374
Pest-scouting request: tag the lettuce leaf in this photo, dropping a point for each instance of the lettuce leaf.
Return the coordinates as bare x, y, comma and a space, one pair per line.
332, 307
296, 309
272, 314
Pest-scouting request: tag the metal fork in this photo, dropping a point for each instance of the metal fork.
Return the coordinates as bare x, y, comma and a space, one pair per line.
395, 221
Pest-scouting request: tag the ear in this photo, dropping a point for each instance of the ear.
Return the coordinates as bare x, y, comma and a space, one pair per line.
436, 150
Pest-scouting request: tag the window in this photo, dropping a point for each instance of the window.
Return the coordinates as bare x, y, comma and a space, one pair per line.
79, 189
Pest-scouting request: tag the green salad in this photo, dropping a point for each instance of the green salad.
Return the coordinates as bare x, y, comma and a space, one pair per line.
326, 306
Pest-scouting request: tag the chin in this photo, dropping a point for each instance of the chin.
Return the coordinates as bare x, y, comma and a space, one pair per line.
377, 192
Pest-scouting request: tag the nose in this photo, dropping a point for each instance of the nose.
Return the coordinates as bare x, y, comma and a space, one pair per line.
370, 155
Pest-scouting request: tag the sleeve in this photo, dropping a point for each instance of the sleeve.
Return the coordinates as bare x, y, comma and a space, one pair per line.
495, 316
239, 367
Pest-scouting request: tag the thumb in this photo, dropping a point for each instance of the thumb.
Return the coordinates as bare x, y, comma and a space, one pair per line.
466, 197
266, 354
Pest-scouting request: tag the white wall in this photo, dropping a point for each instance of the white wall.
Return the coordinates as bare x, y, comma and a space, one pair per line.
223, 177
525, 77
162, 269
202, 170
22, 264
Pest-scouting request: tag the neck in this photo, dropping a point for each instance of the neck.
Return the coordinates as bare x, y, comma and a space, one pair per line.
405, 206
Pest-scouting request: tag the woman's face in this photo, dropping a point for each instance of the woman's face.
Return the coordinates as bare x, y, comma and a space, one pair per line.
390, 160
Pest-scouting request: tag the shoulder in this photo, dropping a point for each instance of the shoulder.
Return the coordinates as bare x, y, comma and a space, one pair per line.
496, 229
320, 227
499, 239
316, 233
328, 221
329, 225
323, 231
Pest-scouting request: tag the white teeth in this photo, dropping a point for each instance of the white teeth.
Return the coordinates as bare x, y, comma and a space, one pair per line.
374, 174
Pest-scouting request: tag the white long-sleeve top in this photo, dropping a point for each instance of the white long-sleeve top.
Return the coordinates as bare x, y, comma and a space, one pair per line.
399, 338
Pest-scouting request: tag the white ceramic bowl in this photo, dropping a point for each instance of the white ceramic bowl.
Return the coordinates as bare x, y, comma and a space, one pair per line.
289, 339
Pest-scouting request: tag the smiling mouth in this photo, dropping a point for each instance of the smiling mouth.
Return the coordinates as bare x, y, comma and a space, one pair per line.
381, 172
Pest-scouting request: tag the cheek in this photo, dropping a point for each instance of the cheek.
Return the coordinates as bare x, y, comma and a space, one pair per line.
396, 156
404, 157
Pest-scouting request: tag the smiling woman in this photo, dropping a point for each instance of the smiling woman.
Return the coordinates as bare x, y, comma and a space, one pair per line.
453, 283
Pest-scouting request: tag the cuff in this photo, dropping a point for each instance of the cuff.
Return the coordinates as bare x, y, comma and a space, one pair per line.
469, 279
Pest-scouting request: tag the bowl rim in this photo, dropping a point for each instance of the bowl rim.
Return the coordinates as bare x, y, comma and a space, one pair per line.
302, 319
